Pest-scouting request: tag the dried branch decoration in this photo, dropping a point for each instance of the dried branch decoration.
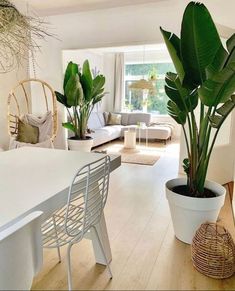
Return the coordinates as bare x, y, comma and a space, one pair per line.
18, 34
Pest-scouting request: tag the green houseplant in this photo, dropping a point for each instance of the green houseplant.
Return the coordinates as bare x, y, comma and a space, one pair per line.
204, 82
82, 91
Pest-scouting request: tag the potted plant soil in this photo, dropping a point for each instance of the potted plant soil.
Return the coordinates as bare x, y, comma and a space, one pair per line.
82, 91
201, 94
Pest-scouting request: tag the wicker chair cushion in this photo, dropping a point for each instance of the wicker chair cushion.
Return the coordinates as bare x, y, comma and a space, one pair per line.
43, 122
27, 133
14, 144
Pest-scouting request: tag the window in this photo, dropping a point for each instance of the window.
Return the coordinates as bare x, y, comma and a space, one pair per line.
155, 101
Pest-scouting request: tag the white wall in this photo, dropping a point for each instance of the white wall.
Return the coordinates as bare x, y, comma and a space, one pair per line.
7, 82
109, 71
79, 56
153, 56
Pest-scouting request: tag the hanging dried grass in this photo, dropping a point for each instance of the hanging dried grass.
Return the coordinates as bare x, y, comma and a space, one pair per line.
18, 35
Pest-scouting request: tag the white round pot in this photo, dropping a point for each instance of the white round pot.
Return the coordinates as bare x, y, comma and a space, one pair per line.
188, 213
84, 145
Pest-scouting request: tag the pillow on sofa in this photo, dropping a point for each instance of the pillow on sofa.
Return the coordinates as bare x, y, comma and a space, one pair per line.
27, 133
114, 119
106, 117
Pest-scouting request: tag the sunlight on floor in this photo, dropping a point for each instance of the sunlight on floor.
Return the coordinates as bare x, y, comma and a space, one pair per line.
117, 147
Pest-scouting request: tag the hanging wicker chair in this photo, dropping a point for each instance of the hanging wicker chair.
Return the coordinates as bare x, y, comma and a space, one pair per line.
20, 103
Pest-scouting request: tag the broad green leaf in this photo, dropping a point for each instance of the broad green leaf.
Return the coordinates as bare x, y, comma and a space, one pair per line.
98, 84
185, 100
98, 98
192, 100
175, 91
227, 80
87, 81
173, 45
62, 99
225, 108
208, 92
72, 69
216, 121
73, 91
174, 95
231, 43
222, 113
218, 63
69, 126
220, 88
231, 48
200, 42
174, 111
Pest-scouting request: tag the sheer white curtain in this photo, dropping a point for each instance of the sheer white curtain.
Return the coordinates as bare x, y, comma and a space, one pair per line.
119, 86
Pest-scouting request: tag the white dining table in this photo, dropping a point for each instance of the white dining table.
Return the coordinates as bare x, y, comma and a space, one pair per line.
34, 179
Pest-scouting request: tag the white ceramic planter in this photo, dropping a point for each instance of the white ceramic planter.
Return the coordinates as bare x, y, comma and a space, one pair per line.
188, 213
80, 145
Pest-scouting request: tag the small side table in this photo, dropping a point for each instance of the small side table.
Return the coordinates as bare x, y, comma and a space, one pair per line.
130, 139
143, 128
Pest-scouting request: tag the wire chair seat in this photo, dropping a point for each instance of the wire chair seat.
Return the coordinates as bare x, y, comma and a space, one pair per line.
54, 230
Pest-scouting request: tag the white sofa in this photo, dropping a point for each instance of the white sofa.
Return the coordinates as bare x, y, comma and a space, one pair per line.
103, 133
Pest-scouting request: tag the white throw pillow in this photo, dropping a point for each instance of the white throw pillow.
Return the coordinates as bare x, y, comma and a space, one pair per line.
43, 122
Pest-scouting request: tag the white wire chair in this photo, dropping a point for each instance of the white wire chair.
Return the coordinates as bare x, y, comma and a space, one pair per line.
86, 200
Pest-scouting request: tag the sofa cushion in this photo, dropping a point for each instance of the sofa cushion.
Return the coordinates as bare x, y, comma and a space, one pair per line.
135, 118
159, 132
114, 119
105, 134
106, 116
124, 120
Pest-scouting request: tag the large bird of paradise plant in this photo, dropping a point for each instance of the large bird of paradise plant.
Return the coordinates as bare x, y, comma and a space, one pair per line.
204, 81
82, 91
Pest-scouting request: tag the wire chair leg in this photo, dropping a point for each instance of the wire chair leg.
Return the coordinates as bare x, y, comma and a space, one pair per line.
57, 240
102, 250
69, 267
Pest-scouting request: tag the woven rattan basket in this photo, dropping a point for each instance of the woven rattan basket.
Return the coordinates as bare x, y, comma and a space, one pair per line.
213, 251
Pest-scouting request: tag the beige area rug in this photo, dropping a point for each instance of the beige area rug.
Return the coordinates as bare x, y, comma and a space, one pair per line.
142, 155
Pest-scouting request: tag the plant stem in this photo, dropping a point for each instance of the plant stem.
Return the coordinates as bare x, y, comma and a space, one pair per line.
186, 140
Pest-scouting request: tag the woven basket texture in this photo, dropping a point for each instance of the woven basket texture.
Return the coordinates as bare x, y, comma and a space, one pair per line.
213, 251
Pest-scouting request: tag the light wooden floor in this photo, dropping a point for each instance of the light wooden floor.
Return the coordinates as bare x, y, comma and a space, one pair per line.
146, 255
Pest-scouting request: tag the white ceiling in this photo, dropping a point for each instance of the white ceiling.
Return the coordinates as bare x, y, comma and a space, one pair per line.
53, 7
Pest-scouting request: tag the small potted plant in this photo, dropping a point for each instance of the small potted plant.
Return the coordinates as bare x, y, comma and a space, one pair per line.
82, 91
201, 94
